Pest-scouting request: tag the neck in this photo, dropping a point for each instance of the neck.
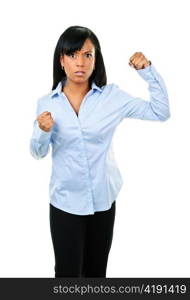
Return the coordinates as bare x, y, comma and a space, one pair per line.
74, 88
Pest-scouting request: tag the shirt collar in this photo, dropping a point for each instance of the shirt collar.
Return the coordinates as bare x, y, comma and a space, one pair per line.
58, 89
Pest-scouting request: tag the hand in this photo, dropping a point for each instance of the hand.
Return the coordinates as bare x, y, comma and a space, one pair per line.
139, 61
45, 121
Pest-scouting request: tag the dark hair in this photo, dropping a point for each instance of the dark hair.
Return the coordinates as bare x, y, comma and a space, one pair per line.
72, 39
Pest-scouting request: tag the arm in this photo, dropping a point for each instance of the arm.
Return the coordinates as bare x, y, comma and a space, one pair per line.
40, 140
157, 109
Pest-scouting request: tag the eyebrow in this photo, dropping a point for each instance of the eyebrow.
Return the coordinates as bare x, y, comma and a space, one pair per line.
87, 51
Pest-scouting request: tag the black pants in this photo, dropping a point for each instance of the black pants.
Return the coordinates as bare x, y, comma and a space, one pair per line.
81, 243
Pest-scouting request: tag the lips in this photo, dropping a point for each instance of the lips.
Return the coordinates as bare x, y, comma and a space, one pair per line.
79, 73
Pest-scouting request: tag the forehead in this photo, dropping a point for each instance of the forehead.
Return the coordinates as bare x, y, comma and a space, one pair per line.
87, 46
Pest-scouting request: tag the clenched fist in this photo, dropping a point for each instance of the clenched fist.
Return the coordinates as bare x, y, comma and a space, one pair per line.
139, 61
45, 121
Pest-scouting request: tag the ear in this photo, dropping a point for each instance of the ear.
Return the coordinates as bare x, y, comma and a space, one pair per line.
61, 59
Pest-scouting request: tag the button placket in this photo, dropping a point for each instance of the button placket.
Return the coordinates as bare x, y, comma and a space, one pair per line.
78, 120
88, 176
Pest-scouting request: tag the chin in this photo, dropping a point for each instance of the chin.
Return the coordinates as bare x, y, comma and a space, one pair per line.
80, 79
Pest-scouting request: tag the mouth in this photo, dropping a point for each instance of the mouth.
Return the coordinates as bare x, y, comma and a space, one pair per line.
80, 73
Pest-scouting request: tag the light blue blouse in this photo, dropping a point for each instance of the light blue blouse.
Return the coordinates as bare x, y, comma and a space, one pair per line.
85, 177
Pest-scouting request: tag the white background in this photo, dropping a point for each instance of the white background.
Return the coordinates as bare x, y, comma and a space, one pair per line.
151, 233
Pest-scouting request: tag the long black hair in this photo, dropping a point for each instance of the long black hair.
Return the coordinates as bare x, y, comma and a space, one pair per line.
72, 39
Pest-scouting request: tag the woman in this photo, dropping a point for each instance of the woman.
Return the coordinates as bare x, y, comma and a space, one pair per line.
78, 118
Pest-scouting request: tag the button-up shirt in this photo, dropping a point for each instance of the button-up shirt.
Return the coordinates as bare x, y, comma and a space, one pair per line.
85, 177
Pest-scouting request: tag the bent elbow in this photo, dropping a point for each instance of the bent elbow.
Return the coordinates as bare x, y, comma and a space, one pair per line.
165, 117
36, 155
38, 151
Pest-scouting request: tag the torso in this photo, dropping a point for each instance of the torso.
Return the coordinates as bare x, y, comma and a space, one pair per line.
74, 101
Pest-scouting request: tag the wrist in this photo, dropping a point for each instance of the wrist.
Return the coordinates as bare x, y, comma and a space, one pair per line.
147, 64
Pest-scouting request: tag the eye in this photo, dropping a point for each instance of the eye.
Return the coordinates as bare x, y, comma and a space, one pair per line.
89, 54
70, 54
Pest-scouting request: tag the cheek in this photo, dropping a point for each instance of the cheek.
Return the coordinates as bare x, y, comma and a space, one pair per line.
91, 65
69, 66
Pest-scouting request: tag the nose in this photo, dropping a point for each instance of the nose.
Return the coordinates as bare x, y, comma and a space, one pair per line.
80, 60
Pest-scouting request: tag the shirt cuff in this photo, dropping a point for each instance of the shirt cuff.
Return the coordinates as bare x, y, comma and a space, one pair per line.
149, 73
39, 134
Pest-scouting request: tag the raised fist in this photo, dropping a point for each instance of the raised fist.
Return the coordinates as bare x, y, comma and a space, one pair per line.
139, 61
45, 121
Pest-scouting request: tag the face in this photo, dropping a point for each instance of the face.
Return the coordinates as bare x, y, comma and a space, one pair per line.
82, 60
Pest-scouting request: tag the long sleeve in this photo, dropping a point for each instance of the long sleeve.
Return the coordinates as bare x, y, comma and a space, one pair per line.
157, 109
40, 140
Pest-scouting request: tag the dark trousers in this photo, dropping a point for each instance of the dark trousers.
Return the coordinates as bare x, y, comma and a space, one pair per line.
81, 243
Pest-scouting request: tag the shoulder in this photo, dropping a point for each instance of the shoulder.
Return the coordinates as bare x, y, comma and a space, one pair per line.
45, 98
110, 88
